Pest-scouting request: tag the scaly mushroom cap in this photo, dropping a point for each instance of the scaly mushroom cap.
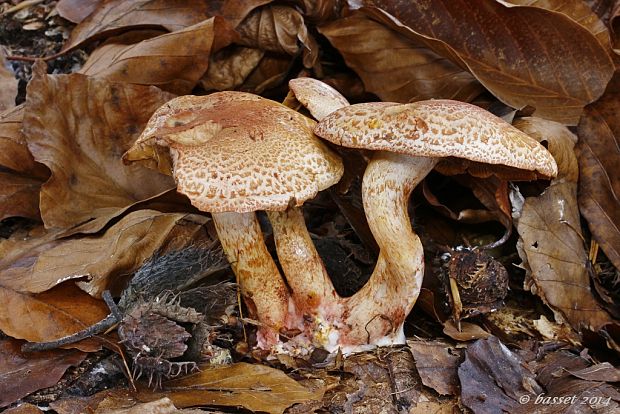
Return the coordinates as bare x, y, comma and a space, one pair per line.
436, 128
235, 151
320, 98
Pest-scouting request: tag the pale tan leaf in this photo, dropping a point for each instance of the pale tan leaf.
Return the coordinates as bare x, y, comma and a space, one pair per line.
551, 244
61, 311
252, 386
172, 61
80, 127
40, 263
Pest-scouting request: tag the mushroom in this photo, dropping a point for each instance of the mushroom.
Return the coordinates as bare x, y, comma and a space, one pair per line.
410, 139
235, 153
318, 97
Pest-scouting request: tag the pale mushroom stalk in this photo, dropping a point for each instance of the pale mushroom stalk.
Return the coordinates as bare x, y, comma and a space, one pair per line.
377, 312
312, 289
260, 281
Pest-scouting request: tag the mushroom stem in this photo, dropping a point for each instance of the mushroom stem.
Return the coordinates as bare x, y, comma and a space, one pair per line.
312, 289
262, 286
377, 312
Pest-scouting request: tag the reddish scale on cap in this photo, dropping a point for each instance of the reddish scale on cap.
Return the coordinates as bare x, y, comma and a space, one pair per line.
234, 151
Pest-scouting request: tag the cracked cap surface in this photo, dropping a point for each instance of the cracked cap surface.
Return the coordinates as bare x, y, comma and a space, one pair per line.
436, 128
235, 151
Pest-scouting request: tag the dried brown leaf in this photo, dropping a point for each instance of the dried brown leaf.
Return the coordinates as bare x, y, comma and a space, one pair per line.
252, 386
24, 408
551, 244
14, 153
46, 316
394, 67
614, 26
270, 72
230, 67
525, 56
278, 29
40, 264
8, 84
19, 196
467, 331
437, 363
76, 10
172, 61
493, 379
22, 374
80, 127
115, 16
577, 10
598, 152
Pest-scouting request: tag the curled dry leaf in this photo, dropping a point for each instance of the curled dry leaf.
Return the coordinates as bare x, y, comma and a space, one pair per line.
319, 11
270, 72
614, 24
397, 68
116, 16
58, 312
22, 374
493, 378
80, 127
577, 10
172, 61
525, 56
76, 10
252, 386
551, 244
598, 152
8, 85
230, 67
437, 363
278, 29
38, 264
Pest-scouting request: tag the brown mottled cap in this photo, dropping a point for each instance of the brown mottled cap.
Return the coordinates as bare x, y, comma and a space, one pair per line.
436, 128
235, 151
320, 98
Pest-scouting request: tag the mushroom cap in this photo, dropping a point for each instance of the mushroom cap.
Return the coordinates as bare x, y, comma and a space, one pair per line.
436, 128
320, 98
238, 152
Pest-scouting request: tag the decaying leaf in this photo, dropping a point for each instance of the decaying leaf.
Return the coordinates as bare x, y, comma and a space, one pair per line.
252, 386
598, 152
496, 44
22, 374
76, 10
115, 16
270, 72
25, 408
278, 29
80, 127
43, 262
551, 244
50, 315
230, 67
437, 364
394, 67
14, 153
172, 61
19, 196
577, 10
8, 85
493, 379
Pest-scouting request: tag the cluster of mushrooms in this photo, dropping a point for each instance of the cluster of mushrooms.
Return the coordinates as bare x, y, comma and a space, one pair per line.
235, 153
